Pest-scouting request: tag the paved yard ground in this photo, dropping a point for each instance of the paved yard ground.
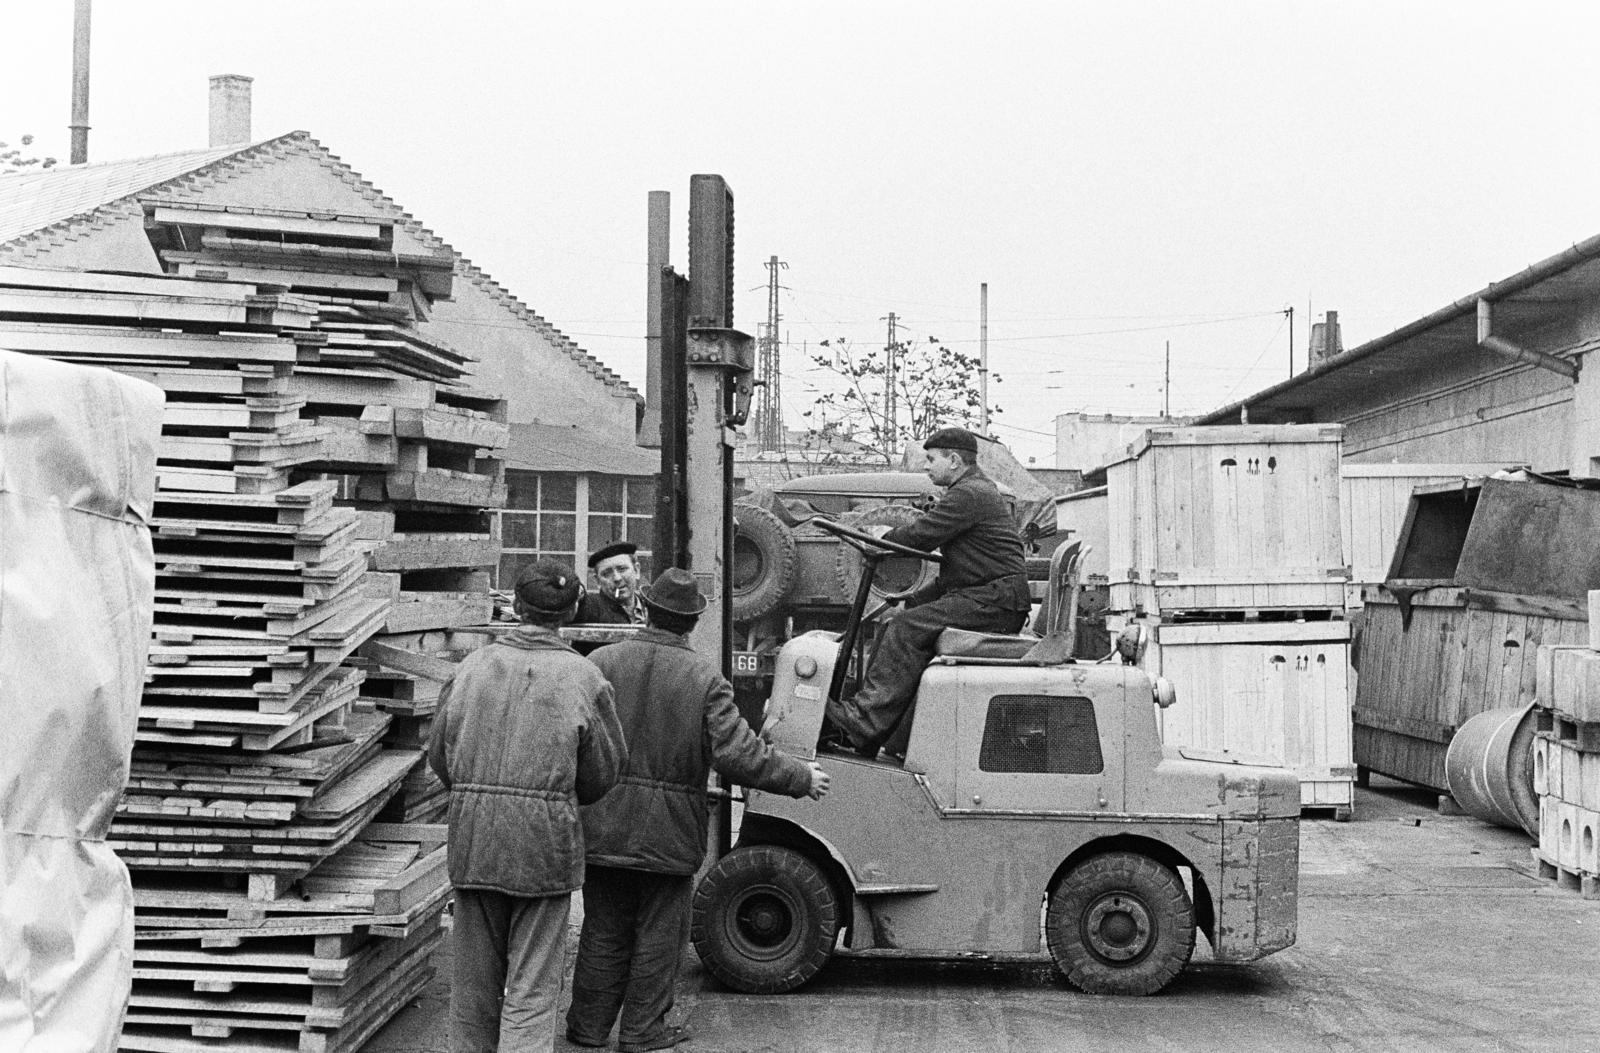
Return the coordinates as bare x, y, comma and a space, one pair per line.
1418, 931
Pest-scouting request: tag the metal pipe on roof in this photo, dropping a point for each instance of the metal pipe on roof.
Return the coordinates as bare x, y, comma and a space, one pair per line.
1501, 346
79, 125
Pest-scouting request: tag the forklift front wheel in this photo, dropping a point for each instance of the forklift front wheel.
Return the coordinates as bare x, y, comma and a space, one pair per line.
1121, 924
764, 919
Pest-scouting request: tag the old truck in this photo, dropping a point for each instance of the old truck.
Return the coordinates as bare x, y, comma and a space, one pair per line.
1035, 786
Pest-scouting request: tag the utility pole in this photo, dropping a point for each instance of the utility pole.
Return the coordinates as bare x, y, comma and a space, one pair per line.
1166, 387
891, 405
983, 359
767, 429
79, 126
1290, 312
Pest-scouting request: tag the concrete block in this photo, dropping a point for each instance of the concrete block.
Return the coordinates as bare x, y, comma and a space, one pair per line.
1544, 669
1571, 774
1549, 827
1574, 688
1594, 619
1588, 841
1541, 765
1554, 755
1567, 836
1589, 782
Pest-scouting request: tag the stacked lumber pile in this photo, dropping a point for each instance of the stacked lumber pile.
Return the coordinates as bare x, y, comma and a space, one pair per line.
272, 912
1566, 761
1226, 542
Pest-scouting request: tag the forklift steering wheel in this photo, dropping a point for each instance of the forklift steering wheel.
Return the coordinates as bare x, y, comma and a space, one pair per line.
859, 538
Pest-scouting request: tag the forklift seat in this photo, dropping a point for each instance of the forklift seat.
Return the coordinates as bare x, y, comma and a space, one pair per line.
965, 643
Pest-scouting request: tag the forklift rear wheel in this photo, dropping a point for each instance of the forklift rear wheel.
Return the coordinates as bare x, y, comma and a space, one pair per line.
764, 919
1121, 924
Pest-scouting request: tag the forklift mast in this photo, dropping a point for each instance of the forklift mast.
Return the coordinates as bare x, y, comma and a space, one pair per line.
705, 387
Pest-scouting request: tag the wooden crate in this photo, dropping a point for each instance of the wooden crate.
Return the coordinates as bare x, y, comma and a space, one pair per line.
1373, 502
1456, 659
1084, 516
1277, 690
1239, 517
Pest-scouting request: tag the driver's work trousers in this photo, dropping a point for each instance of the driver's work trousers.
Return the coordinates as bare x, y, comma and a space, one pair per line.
881, 712
635, 929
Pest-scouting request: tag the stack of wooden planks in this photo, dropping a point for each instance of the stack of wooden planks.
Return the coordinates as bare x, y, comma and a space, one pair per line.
322, 467
1226, 542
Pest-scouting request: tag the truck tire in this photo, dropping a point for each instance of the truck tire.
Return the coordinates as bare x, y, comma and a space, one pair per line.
764, 562
764, 919
1120, 924
895, 574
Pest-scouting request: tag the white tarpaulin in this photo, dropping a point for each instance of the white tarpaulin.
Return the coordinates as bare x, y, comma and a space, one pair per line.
77, 580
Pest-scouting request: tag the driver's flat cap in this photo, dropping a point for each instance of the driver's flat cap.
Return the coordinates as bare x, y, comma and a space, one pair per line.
951, 439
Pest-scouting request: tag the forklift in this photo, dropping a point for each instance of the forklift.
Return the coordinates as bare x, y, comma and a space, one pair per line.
1036, 816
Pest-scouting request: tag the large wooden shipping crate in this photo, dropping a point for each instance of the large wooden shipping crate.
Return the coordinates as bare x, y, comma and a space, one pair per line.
1422, 680
1279, 691
1237, 517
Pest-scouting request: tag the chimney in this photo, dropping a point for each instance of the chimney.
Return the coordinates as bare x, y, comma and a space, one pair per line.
230, 109
1326, 340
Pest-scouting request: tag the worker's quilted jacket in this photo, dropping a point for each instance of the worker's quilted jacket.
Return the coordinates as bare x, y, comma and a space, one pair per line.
526, 733
678, 714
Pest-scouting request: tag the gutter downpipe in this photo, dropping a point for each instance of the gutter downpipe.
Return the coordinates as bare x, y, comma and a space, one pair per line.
1501, 346
1580, 252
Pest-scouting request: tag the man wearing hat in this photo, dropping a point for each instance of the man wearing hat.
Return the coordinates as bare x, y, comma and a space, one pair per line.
526, 733
982, 585
617, 573
647, 838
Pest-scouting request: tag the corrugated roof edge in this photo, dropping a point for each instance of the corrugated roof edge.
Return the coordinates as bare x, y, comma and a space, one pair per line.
1566, 259
216, 167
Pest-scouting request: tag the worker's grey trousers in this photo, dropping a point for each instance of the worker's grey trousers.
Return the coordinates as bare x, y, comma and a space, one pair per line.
635, 924
510, 953
879, 714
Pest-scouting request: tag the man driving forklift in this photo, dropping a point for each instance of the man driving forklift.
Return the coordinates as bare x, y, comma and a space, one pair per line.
982, 586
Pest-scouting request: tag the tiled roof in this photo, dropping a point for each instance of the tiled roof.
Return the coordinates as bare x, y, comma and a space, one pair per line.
568, 448
34, 202
34, 199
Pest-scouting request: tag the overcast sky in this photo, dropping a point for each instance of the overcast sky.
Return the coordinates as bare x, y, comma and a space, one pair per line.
1122, 175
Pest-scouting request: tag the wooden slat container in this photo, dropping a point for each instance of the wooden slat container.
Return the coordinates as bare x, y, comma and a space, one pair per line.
1084, 516
1420, 683
1277, 690
1373, 499
1232, 517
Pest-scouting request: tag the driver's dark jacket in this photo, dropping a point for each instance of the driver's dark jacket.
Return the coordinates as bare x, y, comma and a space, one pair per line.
973, 528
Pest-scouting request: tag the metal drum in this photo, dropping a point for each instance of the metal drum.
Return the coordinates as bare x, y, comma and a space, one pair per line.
1489, 768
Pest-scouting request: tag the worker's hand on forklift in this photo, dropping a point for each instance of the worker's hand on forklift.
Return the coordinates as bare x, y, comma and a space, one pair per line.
820, 781
879, 529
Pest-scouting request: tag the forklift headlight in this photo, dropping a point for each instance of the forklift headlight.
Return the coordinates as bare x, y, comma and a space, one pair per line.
805, 667
1166, 694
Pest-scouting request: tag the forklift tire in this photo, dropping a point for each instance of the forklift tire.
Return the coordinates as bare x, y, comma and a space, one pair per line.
765, 560
1120, 924
764, 919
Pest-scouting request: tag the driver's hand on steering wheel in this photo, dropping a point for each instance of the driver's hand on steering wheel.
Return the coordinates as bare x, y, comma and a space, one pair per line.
879, 529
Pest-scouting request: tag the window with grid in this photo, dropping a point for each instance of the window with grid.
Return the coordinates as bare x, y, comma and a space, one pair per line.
623, 509
1041, 733
540, 519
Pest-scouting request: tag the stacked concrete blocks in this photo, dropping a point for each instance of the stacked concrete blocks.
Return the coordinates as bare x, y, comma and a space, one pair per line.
1566, 761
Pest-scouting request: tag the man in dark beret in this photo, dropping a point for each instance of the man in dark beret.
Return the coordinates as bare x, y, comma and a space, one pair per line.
982, 585
616, 602
526, 733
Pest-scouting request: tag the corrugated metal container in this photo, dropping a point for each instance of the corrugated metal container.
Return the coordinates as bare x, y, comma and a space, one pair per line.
1227, 518
1373, 499
1084, 515
1279, 690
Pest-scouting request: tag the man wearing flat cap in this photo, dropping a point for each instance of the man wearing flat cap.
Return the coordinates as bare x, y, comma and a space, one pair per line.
648, 837
982, 586
526, 733
616, 572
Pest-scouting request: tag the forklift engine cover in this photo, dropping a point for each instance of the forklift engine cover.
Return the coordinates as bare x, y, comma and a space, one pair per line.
1029, 785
